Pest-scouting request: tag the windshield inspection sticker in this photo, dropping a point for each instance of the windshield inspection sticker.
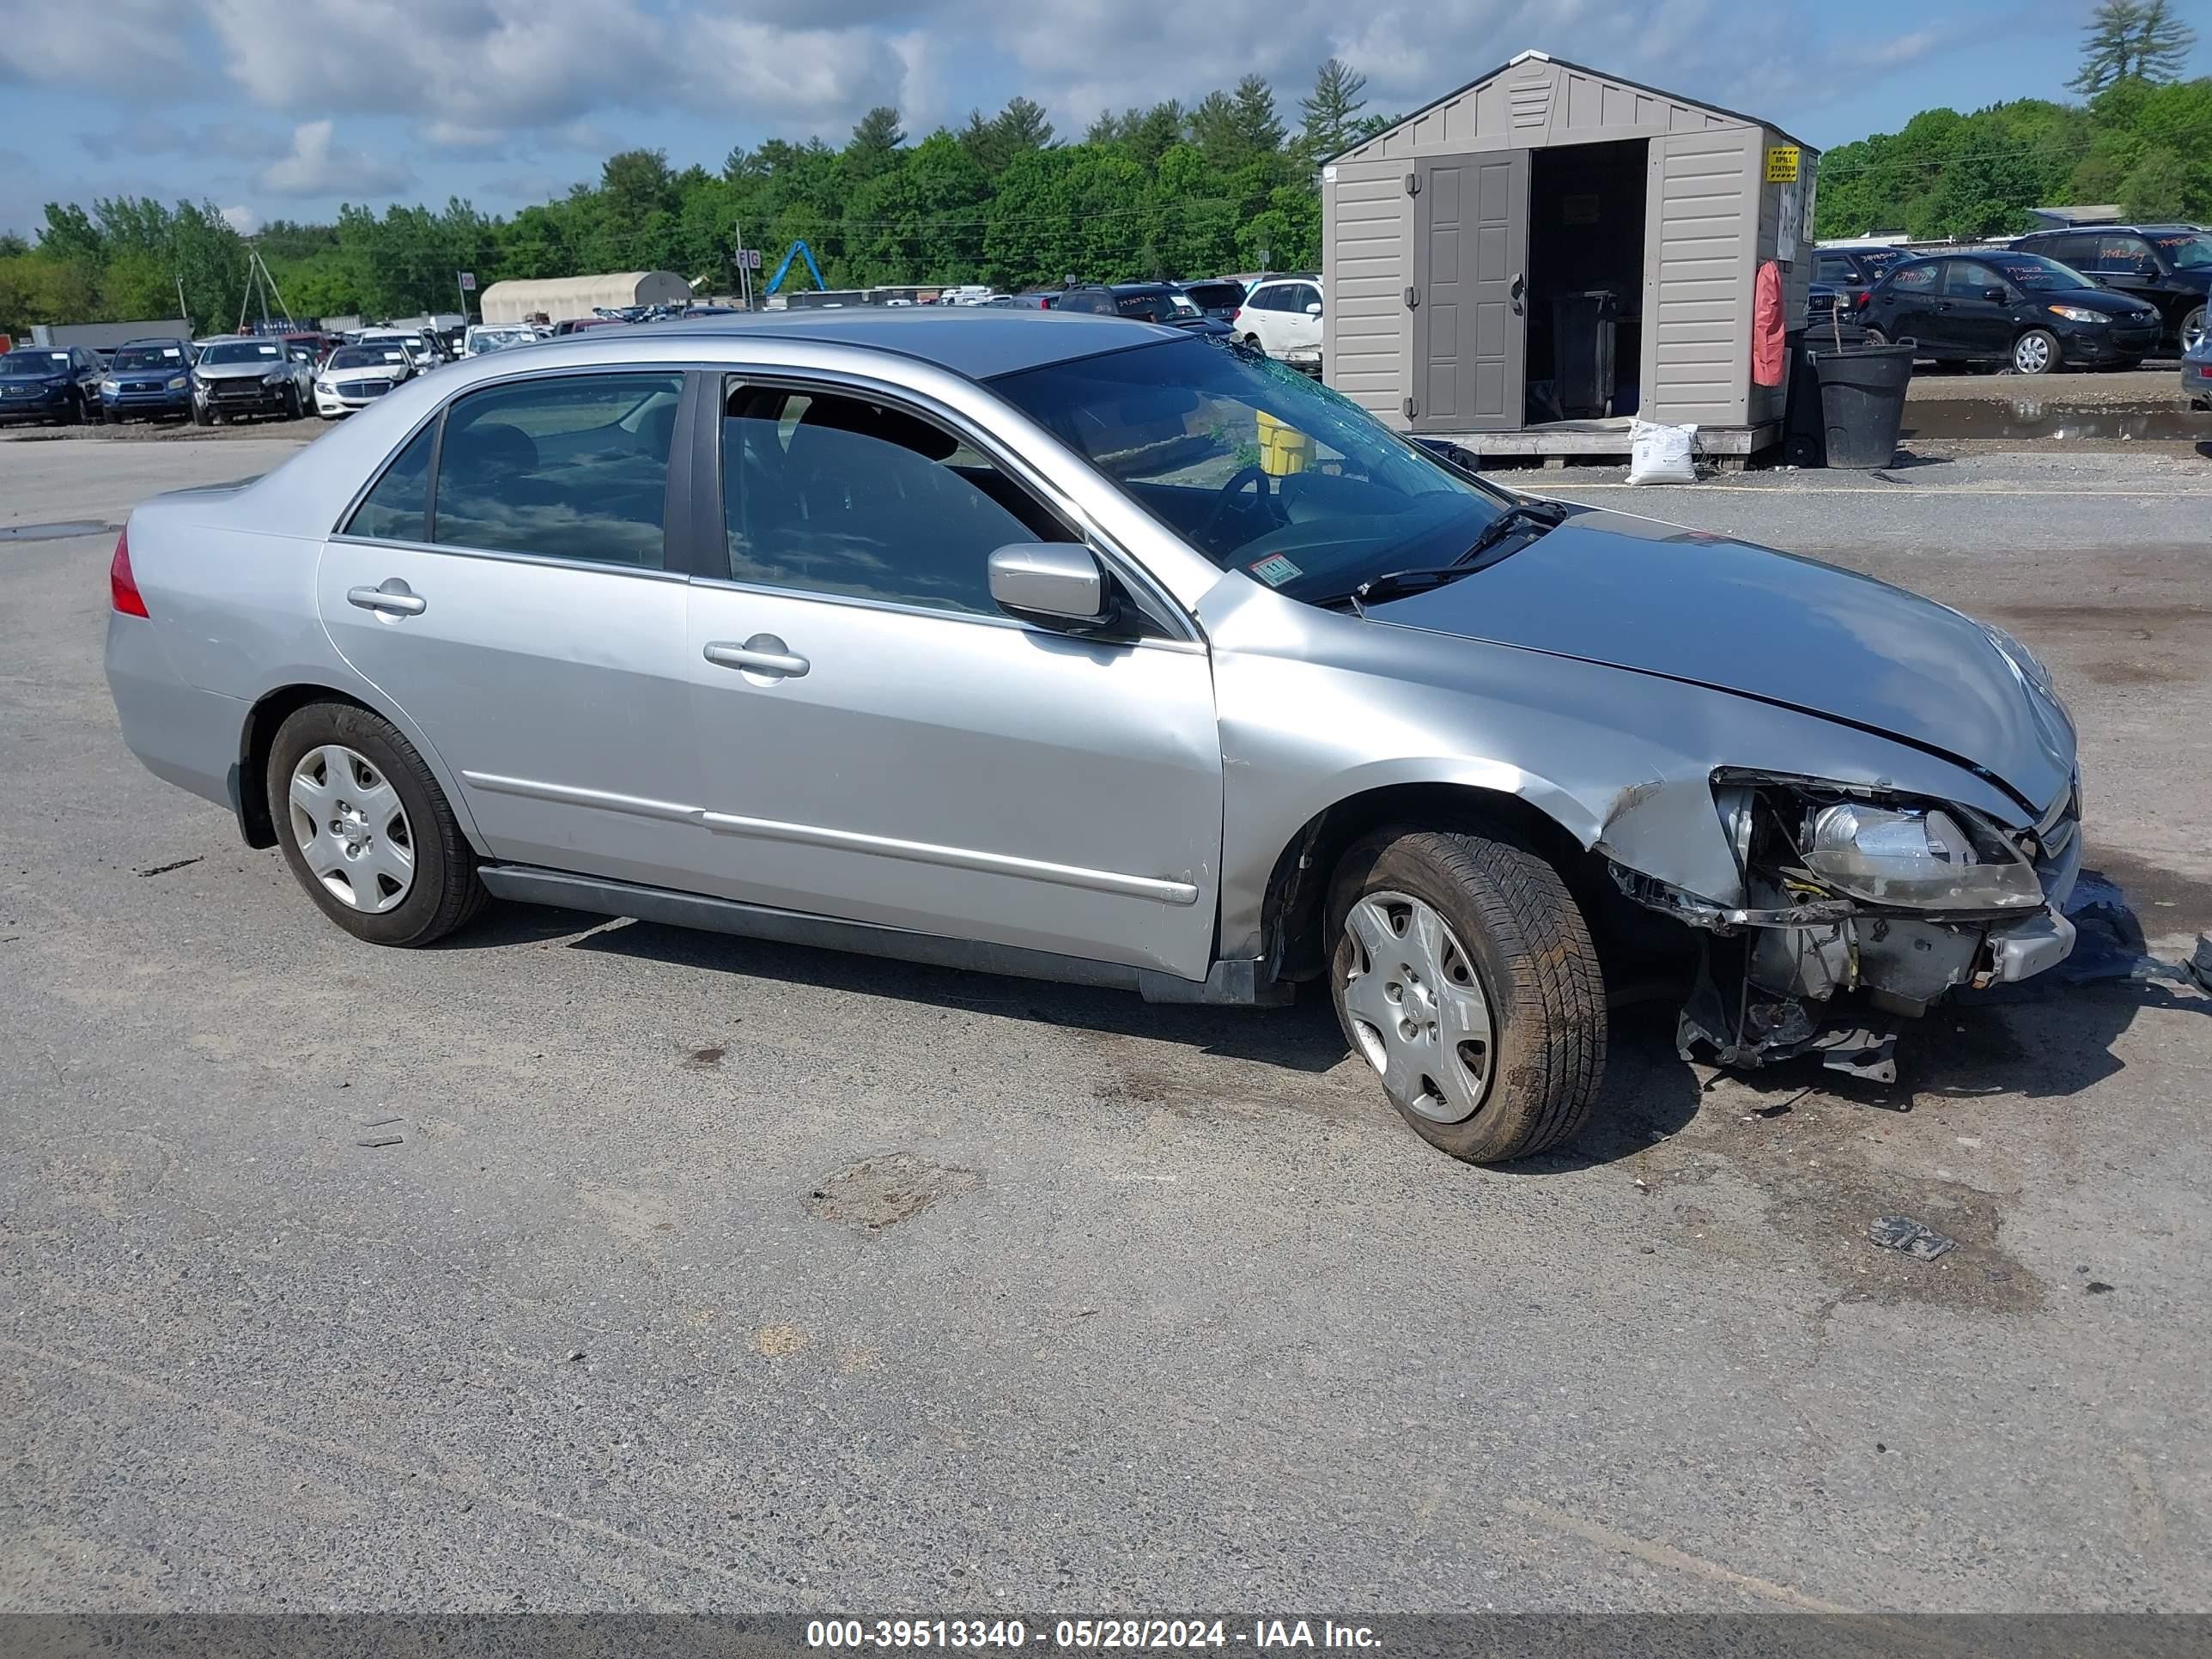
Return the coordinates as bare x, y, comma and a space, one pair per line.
1275, 570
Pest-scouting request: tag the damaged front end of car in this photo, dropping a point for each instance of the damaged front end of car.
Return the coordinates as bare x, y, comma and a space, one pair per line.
1860, 907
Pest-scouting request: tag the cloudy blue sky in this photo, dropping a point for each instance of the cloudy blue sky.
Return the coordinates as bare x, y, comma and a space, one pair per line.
284, 108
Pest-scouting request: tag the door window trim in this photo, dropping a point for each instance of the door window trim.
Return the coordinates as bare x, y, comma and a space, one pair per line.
676, 510
711, 532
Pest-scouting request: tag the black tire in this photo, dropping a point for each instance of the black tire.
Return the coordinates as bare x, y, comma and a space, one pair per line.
2049, 360
201, 414
446, 893
1875, 336
292, 402
1530, 949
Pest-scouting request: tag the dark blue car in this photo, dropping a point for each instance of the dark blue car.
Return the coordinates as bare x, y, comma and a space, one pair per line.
50, 383
152, 378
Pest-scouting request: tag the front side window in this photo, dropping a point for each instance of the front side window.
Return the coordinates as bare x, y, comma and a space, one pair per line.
826, 493
569, 467
1834, 268
2185, 250
1304, 295
1256, 466
399, 508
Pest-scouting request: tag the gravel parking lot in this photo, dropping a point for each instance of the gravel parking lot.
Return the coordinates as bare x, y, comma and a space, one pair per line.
585, 1265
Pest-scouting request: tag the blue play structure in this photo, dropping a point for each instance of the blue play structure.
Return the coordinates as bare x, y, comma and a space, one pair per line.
799, 250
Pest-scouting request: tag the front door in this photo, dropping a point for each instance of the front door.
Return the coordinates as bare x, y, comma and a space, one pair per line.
533, 633
1969, 322
1470, 327
877, 742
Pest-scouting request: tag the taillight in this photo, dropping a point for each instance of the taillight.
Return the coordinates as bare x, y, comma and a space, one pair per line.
122, 585
1865, 294
1237, 316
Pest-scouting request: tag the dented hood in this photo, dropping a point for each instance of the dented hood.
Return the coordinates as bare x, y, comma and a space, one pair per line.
1699, 608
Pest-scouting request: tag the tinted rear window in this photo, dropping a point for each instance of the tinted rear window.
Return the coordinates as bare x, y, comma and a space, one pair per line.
1215, 296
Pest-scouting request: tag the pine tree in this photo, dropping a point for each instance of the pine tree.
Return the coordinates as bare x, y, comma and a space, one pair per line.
1332, 110
2131, 40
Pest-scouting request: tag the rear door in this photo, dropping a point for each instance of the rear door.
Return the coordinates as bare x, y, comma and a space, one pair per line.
1470, 328
505, 583
876, 741
1908, 311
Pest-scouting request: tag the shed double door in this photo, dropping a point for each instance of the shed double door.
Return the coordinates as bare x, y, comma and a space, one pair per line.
1469, 292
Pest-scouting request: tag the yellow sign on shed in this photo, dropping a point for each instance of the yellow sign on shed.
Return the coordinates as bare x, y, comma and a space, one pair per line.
1782, 165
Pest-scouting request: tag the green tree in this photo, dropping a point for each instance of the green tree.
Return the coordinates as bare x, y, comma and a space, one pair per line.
2131, 40
1331, 111
874, 145
2158, 188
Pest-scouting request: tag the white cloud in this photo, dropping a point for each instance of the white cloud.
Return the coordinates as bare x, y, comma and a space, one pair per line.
317, 167
243, 220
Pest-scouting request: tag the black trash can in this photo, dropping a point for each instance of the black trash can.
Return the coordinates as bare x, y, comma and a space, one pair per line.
1862, 401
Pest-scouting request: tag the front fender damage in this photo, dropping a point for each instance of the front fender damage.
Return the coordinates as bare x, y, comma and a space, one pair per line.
1791, 966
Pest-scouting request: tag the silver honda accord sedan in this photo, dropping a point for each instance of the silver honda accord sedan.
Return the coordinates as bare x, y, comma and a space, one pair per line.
1081, 648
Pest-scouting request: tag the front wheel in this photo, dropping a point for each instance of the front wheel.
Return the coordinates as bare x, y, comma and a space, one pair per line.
1464, 974
2035, 352
2192, 330
367, 830
201, 414
291, 410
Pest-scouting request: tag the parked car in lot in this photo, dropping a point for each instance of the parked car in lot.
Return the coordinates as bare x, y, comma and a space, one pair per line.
983, 641
2018, 308
238, 378
1853, 272
2169, 266
1150, 302
2197, 373
1281, 317
496, 337
1831, 318
1218, 298
357, 375
148, 378
50, 383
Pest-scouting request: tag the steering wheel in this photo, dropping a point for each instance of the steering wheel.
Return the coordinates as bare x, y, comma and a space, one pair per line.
1243, 476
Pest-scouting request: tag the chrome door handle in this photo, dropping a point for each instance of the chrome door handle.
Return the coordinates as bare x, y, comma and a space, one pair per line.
764, 653
393, 598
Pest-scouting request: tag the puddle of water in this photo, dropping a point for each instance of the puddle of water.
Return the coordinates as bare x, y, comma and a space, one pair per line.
54, 532
2033, 417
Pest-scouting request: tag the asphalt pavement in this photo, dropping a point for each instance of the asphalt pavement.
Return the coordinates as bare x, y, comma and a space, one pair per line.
582, 1264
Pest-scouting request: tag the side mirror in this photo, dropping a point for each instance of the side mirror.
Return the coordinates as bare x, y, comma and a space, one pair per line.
1058, 584
1996, 294
1313, 309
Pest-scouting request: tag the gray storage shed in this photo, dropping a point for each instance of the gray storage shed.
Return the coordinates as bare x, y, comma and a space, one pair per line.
1525, 262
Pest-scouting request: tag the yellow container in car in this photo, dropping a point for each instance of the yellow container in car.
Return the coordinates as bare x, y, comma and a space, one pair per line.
1283, 449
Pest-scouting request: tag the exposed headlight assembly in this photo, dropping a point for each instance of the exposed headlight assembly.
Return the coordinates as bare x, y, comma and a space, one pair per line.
177, 385
1919, 858
1798, 839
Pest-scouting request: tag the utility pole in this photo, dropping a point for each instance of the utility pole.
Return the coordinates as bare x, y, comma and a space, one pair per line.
182, 314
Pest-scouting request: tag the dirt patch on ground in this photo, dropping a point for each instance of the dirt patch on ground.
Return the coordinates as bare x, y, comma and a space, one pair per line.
877, 1193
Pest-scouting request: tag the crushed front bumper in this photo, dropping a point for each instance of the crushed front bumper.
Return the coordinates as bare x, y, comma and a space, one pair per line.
1829, 976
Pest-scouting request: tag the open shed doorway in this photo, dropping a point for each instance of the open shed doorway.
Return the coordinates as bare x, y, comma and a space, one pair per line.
1585, 287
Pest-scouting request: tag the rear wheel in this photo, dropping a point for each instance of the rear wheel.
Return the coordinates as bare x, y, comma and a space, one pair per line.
1875, 336
1464, 975
1253, 340
2036, 352
365, 828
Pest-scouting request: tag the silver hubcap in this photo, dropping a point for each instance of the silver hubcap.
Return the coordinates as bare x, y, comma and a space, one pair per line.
2192, 332
2032, 355
351, 829
1417, 1008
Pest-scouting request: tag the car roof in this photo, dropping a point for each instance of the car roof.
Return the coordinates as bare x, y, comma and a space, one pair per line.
978, 342
2174, 229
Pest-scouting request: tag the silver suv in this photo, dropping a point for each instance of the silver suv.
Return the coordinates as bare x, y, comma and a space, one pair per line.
1087, 649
